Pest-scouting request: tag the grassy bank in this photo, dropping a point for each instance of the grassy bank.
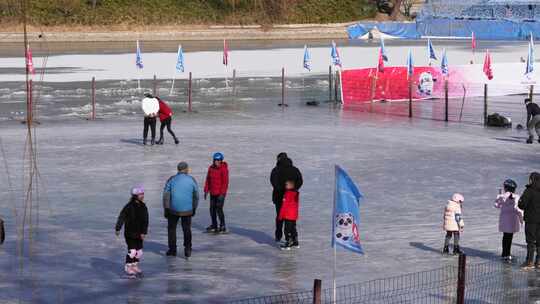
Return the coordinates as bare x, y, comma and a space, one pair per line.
182, 12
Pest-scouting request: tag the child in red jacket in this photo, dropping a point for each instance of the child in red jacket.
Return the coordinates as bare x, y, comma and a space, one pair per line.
217, 183
165, 117
289, 215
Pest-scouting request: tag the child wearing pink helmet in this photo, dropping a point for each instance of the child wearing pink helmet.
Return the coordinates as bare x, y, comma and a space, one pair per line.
453, 223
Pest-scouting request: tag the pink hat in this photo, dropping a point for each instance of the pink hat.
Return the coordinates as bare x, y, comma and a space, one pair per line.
458, 198
137, 190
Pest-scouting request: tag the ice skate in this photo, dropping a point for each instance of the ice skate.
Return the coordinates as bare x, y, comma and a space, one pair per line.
129, 271
152, 142
144, 142
171, 253
295, 245
286, 246
445, 250
211, 229
526, 266
176, 141
457, 250
160, 142
223, 230
530, 140
187, 253
135, 268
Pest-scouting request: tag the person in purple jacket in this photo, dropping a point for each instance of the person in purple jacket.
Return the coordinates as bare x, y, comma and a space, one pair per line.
510, 218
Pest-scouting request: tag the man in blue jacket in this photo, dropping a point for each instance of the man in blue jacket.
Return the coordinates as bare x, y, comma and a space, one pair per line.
180, 200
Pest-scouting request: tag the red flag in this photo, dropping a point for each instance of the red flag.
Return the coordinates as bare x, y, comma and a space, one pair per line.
225, 53
380, 66
473, 41
487, 66
29, 61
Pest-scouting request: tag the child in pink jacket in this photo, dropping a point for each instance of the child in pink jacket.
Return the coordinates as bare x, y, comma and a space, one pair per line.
510, 218
453, 223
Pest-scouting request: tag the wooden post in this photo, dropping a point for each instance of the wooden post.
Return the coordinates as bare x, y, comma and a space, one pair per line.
485, 103
283, 87
317, 284
410, 97
189, 93
155, 85
461, 279
234, 82
446, 100
336, 83
30, 103
531, 92
330, 83
93, 98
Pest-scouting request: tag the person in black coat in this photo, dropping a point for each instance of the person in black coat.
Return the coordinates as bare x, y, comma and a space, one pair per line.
533, 120
283, 171
530, 204
134, 218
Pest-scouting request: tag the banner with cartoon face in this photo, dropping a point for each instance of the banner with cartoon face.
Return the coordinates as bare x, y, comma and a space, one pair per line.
345, 232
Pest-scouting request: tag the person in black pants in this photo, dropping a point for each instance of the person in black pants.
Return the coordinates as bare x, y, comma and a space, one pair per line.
150, 118
283, 171
530, 204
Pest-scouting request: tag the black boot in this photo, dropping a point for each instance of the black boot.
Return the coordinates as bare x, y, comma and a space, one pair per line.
144, 141
171, 253
530, 140
457, 251
152, 142
160, 141
176, 141
187, 252
445, 250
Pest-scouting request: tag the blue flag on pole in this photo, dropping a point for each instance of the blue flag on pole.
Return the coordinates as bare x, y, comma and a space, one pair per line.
180, 60
410, 64
444, 64
138, 58
336, 59
307, 59
346, 215
530, 58
431, 50
383, 51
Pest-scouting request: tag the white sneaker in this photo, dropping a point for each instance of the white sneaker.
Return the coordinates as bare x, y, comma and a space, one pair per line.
129, 269
135, 268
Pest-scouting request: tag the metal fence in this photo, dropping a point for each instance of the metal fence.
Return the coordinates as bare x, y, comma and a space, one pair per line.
488, 282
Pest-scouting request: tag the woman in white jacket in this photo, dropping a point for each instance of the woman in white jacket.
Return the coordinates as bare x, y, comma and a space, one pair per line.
453, 223
510, 218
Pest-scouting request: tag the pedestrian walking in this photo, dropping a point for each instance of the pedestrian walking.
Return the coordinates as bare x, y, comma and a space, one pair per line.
165, 117
180, 200
134, 218
283, 171
217, 184
529, 202
510, 217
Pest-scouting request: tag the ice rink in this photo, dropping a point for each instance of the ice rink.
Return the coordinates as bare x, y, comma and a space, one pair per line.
407, 170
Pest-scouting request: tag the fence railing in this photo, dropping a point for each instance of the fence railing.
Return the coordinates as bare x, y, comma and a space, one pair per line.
489, 282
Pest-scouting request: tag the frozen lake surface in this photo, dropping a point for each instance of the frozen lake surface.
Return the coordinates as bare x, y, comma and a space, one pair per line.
407, 170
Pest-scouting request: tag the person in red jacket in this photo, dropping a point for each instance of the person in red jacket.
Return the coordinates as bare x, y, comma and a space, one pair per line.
289, 215
165, 117
217, 183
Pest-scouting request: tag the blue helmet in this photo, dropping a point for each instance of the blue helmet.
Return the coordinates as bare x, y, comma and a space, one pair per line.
218, 156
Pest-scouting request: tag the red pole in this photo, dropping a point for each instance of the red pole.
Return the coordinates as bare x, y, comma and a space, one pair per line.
189, 93
283, 87
93, 98
317, 284
410, 96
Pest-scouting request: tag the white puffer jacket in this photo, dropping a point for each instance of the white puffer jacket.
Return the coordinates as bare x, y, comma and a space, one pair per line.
453, 220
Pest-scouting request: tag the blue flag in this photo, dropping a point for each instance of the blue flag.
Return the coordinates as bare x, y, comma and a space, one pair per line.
444, 64
530, 58
336, 59
383, 51
431, 50
346, 215
180, 60
410, 64
307, 59
138, 58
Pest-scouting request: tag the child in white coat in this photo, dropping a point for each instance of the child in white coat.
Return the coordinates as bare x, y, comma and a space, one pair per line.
510, 218
453, 223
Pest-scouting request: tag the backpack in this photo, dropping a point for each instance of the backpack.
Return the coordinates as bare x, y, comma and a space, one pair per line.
497, 120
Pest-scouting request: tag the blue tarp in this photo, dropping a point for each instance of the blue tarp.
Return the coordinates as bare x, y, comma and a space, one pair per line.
406, 30
446, 27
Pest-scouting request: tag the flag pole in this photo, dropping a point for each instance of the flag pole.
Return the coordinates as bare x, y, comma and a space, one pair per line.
172, 86
334, 239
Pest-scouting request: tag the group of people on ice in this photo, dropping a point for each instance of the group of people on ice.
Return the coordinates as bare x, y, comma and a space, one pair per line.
154, 107
181, 199
514, 211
